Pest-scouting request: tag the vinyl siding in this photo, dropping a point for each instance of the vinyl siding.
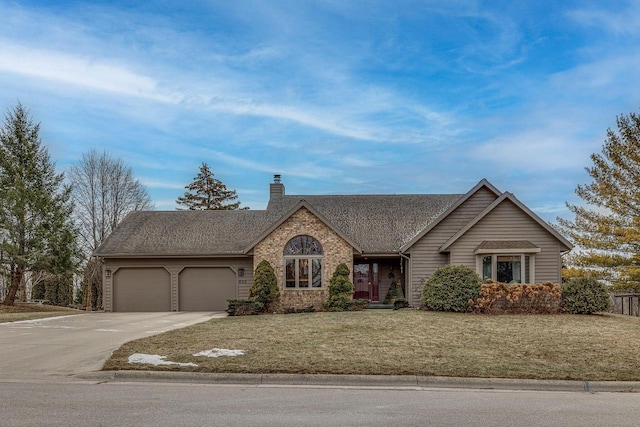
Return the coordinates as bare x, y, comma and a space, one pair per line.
508, 222
425, 257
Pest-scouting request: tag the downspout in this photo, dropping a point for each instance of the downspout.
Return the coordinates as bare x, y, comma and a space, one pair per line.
408, 283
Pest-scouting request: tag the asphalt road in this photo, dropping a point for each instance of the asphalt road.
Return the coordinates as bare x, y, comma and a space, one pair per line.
160, 404
59, 347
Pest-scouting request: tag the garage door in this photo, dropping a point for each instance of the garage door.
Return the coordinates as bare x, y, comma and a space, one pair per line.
206, 288
141, 289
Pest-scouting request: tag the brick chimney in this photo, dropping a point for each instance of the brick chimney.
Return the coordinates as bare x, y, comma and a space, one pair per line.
276, 188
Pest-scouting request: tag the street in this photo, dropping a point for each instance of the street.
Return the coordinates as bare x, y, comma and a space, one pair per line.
163, 404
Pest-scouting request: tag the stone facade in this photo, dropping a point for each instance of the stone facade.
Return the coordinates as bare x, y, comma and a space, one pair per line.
336, 250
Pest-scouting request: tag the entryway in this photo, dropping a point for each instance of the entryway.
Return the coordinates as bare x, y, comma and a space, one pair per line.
366, 281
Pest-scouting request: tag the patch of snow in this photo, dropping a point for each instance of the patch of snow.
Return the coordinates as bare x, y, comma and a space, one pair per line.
37, 322
154, 359
217, 352
108, 330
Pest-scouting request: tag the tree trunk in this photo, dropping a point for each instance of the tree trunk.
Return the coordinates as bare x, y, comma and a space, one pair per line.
16, 278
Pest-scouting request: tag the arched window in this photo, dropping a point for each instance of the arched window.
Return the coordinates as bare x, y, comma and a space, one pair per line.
303, 263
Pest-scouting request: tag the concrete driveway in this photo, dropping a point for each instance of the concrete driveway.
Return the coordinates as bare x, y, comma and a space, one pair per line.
64, 346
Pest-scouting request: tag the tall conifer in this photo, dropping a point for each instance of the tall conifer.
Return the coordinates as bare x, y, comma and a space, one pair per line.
35, 207
606, 227
208, 193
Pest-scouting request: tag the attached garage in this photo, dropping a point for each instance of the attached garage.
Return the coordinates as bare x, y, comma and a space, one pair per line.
142, 289
206, 288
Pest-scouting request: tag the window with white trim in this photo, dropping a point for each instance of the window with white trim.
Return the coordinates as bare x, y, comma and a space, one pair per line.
303, 263
507, 268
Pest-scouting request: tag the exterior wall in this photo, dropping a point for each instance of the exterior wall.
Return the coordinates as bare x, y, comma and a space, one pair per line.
174, 266
336, 250
508, 222
425, 257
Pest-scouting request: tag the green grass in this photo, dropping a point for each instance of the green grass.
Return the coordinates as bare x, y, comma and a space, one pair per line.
602, 347
20, 311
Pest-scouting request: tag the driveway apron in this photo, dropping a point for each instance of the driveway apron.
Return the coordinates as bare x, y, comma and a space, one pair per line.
64, 346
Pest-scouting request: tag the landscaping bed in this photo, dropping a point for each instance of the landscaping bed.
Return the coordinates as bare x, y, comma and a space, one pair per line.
407, 342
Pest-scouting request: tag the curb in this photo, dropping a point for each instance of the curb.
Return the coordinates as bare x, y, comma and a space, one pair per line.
364, 381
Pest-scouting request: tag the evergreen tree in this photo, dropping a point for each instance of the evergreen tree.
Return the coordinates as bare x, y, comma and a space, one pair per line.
265, 285
208, 193
35, 207
607, 228
340, 289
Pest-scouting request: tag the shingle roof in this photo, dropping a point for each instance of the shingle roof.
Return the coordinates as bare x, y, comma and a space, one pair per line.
377, 223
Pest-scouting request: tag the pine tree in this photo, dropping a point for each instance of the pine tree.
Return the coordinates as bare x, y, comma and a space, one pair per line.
340, 289
265, 285
208, 193
35, 207
607, 228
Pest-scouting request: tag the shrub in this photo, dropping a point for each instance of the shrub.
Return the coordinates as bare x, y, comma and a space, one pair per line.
265, 285
340, 289
500, 298
395, 292
400, 303
451, 288
293, 310
358, 304
585, 295
243, 307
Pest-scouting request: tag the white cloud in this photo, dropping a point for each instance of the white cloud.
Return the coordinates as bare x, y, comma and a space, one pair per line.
77, 70
623, 21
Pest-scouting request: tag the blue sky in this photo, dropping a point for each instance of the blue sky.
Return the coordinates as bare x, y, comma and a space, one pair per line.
337, 96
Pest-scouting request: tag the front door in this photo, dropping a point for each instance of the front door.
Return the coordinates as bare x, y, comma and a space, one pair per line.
365, 279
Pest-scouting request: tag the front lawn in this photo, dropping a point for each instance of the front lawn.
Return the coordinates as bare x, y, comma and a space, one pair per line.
19, 311
602, 347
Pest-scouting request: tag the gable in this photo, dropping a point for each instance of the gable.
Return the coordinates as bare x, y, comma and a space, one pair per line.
508, 219
451, 221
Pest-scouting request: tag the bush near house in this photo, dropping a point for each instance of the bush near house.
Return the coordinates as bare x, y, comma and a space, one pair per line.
243, 307
451, 288
501, 298
265, 286
341, 292
394, 293
585, 295
400, 303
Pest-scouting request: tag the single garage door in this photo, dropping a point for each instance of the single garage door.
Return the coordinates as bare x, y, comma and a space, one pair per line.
142, 289
206, 288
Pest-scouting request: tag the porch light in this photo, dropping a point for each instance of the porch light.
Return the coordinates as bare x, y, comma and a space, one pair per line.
241, 272
107, 272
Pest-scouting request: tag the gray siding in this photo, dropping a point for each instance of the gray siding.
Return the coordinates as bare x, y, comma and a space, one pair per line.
174, 266
508, 222
425, 258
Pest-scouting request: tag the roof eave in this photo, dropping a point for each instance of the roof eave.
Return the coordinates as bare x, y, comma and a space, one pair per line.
180, 255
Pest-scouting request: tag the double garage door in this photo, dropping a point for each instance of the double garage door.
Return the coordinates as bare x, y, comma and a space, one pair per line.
149, 289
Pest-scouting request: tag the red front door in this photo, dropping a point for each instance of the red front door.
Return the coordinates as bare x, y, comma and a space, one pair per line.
365, 279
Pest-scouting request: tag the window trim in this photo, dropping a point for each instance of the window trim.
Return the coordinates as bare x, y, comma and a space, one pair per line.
494, 264
317, 254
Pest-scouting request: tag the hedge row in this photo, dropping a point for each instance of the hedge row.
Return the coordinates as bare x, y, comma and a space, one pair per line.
500, 298
459, 288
